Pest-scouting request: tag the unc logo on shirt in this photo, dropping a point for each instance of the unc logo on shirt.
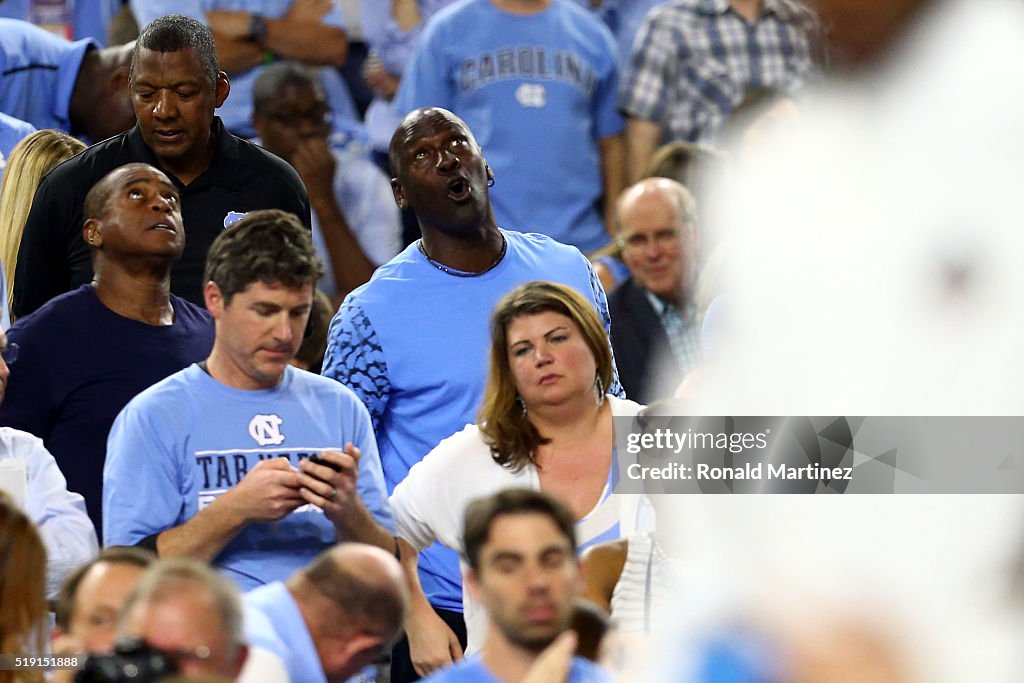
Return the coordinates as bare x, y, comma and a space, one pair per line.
531, 95
266, 430
233, 217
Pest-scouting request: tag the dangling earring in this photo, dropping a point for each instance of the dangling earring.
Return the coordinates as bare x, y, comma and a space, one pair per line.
598, 391
490, 182
522, 404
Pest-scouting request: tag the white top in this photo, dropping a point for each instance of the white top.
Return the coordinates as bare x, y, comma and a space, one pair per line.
635, 593
263, 666
67, 532
430, 504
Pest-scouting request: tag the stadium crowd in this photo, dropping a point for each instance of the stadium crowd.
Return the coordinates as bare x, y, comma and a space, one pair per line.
319, 318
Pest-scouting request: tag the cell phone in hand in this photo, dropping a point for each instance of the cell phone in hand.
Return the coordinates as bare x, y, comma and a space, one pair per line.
317, 460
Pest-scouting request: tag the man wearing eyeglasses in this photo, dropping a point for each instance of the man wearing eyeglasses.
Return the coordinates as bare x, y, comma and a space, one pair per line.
654, 330
191, 615
356, 224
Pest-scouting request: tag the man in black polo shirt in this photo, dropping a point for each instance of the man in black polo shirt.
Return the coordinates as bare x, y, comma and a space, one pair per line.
175, 86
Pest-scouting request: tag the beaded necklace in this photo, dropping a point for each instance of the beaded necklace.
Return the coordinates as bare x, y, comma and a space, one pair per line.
462, 273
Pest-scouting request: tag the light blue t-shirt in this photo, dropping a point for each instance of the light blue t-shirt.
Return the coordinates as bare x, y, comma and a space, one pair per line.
538, 91
413, 344
12, 131
183, 442
273, 622
236, 112
38, 71
472, 670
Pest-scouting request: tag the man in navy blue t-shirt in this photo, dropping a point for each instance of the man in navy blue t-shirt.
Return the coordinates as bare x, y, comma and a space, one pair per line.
86, 353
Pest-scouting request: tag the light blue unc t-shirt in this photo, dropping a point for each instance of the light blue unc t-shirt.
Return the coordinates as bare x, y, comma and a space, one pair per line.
183, 442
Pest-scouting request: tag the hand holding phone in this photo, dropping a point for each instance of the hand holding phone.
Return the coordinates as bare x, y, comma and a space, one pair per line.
317, 460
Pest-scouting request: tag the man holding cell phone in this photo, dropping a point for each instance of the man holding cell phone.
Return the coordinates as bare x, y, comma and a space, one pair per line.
243, 460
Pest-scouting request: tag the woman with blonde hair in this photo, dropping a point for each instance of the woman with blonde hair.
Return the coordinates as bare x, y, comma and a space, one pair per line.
30, 160
546, 423
23, 609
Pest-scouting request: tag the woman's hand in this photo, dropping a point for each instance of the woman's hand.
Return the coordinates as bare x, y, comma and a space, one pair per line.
432, 644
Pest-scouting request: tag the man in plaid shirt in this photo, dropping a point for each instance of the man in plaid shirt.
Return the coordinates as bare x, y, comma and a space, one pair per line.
693, 61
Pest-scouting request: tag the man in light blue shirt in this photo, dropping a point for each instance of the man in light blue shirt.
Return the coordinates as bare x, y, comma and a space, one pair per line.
327, 621
246, 461
75, 87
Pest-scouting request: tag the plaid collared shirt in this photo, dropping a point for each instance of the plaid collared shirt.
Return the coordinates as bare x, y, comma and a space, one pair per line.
681, 329
694, 60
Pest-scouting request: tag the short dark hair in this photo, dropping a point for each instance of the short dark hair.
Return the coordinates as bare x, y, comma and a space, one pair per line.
174, 32
268, 246
275, 77
64, 607
481, 514
99, 194
96, 199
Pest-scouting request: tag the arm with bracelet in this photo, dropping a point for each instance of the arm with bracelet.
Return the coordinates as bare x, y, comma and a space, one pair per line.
302, 34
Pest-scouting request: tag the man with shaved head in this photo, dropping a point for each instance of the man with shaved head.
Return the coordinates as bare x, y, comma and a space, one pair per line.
86, 353
412, 342
330, 619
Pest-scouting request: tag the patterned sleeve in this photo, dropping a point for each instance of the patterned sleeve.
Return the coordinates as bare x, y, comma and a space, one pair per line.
650, 70
601, 302
355, 358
